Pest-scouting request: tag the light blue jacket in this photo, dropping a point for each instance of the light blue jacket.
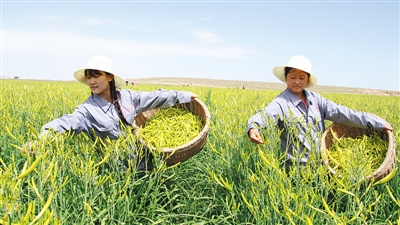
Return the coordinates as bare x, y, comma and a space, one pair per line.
306, 125
98, 114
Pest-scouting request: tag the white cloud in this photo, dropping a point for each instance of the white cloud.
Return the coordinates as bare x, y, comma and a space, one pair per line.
48, 18
90, 21
50, 55
54, 44
204, 36
206, 18
194, 21
113, 21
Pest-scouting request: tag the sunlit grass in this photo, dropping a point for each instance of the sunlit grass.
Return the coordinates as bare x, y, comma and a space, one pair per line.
231, 181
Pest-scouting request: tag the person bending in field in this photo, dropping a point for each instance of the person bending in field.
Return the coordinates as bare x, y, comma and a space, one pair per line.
300, 113
107, 107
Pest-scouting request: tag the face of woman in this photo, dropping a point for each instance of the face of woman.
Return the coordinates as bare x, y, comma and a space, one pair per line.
296, 81
99, 83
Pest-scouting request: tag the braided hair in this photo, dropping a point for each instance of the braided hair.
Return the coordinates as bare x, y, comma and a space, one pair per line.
114, 96
114, 93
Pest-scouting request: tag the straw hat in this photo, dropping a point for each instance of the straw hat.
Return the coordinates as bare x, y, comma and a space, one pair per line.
298, 62
99, 63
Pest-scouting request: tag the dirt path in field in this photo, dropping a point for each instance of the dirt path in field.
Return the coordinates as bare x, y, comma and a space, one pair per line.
178, 81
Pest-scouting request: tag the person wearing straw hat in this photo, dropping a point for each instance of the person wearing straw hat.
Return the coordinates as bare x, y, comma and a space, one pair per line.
107, 106
300, 113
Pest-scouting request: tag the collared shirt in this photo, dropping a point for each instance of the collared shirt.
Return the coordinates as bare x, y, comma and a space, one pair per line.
302, 127
99, 115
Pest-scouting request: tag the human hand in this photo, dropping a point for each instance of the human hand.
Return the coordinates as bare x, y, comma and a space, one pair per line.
193, 95
387, 126
255, 136
30, 147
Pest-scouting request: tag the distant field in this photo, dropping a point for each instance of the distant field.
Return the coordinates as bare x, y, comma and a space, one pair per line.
181, 81
254, 85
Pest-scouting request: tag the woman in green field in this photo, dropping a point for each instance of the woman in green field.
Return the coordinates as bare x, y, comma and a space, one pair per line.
107, 106
300, 113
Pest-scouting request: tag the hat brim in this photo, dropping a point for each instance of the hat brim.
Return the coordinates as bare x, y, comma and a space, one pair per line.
80, 76
279, 72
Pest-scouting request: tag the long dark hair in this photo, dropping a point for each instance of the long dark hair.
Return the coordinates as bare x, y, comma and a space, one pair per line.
115, 95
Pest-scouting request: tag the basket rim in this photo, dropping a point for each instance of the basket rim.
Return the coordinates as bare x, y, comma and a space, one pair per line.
198, 137
391, 150
204, 130
387, 160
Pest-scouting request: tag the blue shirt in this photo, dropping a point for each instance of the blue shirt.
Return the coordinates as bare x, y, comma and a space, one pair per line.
302, 127
98, 114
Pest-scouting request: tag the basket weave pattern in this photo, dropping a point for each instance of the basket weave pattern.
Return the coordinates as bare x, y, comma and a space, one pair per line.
341, 130
173, 156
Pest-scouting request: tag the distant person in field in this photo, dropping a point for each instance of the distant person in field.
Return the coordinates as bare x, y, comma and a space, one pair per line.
300, 113
108, 107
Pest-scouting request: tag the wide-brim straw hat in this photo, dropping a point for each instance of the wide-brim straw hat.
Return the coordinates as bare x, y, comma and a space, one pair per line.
99, 63
297, 62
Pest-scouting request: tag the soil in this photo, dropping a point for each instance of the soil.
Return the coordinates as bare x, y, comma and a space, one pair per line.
179, 81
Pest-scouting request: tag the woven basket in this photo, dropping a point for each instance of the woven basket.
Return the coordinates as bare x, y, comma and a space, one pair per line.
340, 130
173, 156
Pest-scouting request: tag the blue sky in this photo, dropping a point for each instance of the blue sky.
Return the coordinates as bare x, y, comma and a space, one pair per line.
350, 43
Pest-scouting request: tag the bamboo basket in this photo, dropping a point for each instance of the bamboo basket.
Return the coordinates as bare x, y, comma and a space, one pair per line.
181, 153
341, 130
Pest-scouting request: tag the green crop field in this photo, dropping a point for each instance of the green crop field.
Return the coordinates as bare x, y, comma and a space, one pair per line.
71, 180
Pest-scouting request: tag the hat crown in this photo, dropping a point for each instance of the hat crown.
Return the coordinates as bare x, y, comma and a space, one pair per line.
297, 62
300, 62
100, 63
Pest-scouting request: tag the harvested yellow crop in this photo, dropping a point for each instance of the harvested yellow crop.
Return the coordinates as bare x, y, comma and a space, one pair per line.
356, 158
170, 128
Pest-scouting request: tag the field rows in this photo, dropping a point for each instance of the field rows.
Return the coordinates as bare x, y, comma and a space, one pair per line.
73, 180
